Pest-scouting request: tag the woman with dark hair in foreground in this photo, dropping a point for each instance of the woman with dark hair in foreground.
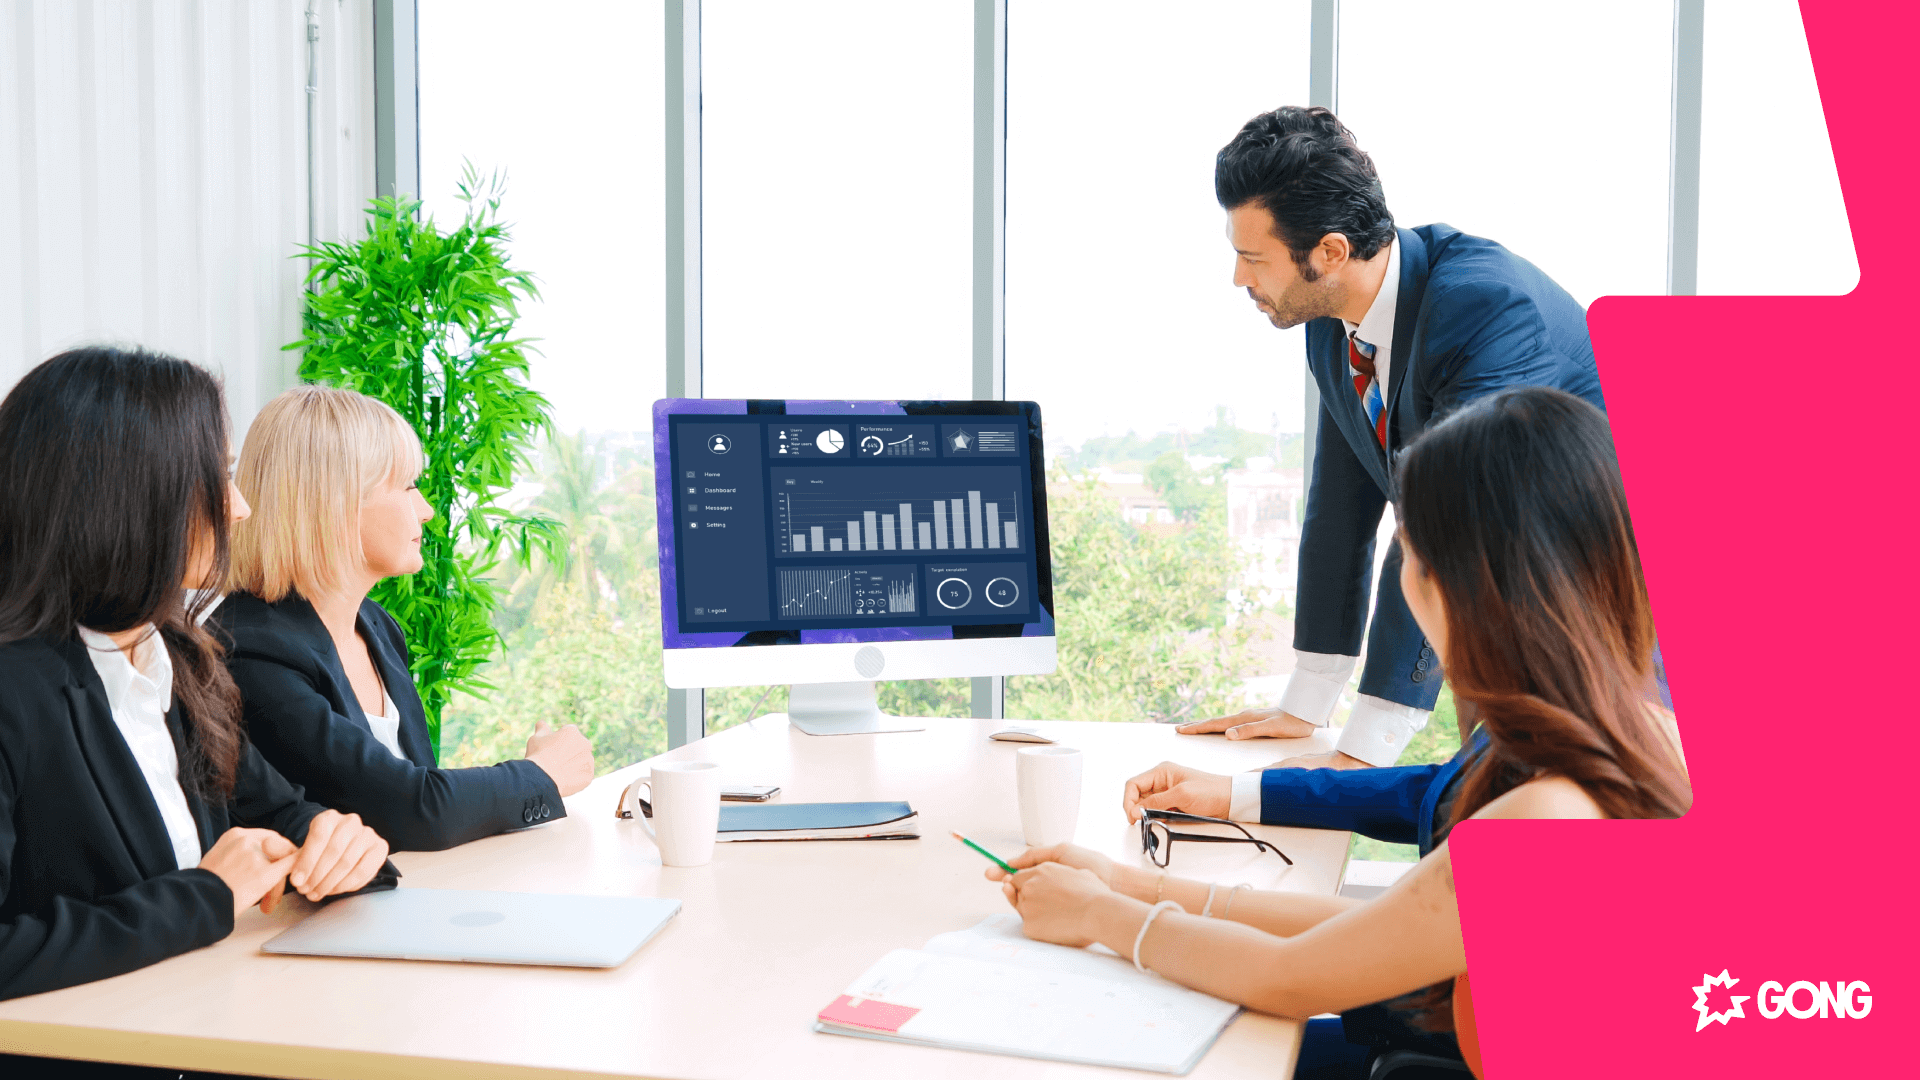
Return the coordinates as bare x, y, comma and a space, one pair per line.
1521, 570
135, 821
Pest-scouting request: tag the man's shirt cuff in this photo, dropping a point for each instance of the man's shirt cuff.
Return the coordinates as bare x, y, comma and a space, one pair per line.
1379, 730
1314, 688
1246, 797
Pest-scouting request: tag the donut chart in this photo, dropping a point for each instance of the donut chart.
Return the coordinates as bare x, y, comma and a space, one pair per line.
953, 593
1002, 592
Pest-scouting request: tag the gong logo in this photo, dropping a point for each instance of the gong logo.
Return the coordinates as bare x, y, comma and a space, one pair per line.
1802, 999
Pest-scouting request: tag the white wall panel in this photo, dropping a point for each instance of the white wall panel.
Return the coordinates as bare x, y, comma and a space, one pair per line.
153, 176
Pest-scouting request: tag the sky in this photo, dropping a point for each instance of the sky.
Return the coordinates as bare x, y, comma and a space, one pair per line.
838, 202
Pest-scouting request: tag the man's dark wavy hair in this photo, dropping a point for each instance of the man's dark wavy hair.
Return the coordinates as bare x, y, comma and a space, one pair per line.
1303, 167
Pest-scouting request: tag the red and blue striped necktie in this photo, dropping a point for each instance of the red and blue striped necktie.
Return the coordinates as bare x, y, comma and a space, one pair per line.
1368, 388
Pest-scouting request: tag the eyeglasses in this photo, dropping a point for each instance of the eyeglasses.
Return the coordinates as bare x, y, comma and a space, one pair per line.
1157, 836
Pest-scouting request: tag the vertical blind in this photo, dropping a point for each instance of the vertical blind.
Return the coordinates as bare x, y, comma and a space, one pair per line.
153, 176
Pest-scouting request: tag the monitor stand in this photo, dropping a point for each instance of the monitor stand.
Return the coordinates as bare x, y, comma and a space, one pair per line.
844, 708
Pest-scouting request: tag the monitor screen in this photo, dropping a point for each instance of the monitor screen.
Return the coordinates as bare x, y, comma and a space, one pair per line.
796, 522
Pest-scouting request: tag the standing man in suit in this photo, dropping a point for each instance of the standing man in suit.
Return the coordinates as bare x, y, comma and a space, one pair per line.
1403, 326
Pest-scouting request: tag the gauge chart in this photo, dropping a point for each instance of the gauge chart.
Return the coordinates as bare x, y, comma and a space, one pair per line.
976, 588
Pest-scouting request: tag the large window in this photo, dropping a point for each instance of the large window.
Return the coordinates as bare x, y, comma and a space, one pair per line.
1173, 409
1541, 126
1548, 132
837, 246
837, 205
565, 103
1772, 222
837, 223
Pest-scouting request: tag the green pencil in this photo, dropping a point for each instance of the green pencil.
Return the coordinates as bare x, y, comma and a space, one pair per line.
997, 861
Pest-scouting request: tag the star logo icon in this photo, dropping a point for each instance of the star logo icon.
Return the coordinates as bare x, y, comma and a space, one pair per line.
1707, 1015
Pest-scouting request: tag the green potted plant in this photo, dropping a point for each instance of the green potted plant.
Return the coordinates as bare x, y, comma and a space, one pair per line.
423, 320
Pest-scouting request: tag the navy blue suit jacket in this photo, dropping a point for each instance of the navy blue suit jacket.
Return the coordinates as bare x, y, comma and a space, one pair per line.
1396, 805
1399, 804
1472, 318
302, 714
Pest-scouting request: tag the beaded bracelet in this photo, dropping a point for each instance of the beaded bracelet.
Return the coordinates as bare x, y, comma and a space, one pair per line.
1207, 912
1152, 913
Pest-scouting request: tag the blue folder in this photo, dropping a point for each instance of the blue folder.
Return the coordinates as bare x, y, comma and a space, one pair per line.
819, 821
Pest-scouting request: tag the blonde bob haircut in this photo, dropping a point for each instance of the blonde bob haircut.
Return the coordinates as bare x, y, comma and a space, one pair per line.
312, 456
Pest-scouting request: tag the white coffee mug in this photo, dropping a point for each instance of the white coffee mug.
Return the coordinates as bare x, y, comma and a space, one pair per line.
686, 810
1048, 780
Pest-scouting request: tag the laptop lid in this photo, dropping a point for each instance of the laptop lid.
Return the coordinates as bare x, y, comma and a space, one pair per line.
481, 927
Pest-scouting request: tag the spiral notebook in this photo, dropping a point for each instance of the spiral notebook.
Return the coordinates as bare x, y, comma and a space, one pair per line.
991, 989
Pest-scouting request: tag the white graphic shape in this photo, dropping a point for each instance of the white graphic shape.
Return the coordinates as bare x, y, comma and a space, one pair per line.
1002, 592
1707, 1016
719, 444
961, 439
953, 593
829, 441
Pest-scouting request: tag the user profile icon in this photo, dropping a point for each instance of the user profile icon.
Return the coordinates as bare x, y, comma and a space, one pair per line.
719, 444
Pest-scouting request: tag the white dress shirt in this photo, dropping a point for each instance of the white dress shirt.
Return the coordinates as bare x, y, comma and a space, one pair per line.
1377, 730
139, 692
386, 726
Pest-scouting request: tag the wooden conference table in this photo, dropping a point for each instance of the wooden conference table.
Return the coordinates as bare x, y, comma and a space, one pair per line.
769, 933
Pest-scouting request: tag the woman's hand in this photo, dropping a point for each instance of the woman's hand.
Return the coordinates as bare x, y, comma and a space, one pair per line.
1056, 901
1079, 858
1167, 786
253, 863
566, 755
341, 854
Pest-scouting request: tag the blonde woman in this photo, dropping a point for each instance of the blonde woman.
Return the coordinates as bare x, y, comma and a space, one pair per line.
323, 671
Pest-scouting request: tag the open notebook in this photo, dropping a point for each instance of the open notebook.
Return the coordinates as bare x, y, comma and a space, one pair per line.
992, 989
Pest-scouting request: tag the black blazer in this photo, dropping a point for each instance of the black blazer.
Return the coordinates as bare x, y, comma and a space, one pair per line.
88, 889
302, 714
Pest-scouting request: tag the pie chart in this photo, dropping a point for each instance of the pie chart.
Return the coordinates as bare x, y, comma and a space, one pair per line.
830, 442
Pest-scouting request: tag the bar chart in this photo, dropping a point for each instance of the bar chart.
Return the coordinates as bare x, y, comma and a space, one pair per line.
848, 512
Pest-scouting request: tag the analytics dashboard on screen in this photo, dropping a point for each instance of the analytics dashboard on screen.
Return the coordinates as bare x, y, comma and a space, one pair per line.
827, 519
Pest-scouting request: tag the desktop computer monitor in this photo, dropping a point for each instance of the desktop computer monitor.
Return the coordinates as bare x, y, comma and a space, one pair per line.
829, 544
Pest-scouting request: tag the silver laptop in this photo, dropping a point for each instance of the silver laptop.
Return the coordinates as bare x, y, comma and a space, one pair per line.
481, 927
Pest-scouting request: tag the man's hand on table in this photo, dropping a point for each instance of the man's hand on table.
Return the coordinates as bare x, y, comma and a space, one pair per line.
1167, 786
1252, 724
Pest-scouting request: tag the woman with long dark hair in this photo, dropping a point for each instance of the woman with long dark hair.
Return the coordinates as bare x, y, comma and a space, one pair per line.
135, 821
1522, 572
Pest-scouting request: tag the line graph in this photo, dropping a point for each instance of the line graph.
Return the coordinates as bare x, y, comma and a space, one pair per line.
856, 593
815, 592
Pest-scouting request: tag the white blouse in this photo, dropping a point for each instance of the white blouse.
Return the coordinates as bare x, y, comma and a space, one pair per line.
386, 727
139, 692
